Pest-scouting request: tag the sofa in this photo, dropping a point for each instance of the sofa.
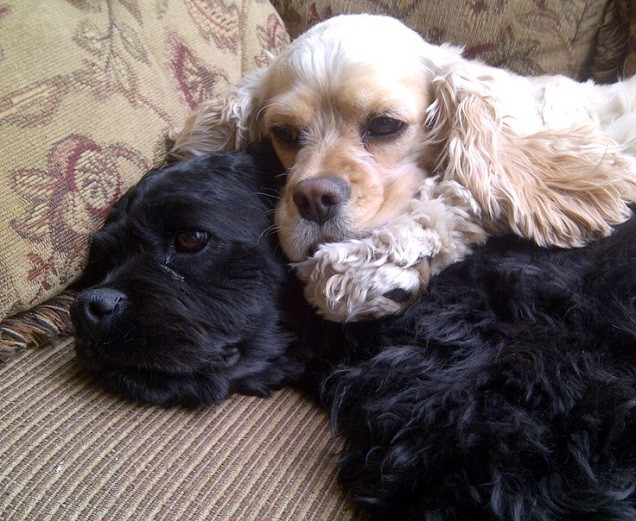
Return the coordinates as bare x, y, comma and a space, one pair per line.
88, 91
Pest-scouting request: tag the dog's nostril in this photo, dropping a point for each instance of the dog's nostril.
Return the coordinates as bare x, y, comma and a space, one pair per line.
93, 306
329, 200
99, 308
318, 199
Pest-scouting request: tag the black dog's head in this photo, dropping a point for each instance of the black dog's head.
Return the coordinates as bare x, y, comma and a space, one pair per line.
182, 287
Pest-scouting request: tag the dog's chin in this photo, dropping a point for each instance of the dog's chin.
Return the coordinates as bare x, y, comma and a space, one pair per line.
153, 379
164, 388
103, 354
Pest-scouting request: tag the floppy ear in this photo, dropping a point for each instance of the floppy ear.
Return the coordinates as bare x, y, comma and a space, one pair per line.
557, 187
226, 122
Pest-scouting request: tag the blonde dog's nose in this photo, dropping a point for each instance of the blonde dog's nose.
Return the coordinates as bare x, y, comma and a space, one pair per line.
318, 199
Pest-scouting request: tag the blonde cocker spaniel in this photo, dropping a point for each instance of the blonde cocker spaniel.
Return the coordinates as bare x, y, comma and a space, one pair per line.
401, 155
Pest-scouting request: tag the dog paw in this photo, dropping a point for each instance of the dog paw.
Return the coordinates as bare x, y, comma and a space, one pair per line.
365, 293
404, 243
343, 288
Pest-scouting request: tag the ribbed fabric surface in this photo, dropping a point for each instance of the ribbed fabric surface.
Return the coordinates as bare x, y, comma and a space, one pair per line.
70, 451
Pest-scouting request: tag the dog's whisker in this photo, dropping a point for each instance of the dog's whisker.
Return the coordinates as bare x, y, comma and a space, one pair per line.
262, 109
172, 273
269, 231
271, 193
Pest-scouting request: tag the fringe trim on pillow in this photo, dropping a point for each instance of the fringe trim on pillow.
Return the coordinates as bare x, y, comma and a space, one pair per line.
38, 327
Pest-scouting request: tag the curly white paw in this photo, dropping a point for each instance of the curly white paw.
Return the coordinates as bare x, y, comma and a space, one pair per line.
372, 277
363, 293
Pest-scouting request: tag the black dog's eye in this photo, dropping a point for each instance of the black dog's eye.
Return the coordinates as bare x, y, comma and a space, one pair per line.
286, 135
382, 126
190, 241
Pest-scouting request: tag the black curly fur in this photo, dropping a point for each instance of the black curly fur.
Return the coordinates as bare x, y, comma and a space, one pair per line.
508, 392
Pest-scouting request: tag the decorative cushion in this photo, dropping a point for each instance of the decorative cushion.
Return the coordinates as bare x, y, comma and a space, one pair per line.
530, 37
88, 90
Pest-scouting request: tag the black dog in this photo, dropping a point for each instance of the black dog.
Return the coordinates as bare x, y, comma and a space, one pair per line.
183, 299
507, 392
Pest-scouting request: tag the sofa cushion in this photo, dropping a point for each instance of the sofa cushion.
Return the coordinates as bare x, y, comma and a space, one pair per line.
548, 37
87, 92
70, 451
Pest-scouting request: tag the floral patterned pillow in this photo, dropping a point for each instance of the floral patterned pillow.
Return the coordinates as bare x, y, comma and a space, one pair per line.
88, 89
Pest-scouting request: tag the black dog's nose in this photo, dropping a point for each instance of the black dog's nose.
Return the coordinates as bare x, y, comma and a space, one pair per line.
92, 307
318, 199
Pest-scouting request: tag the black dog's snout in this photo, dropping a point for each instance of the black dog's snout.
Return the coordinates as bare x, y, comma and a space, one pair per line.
319, 198
94, 306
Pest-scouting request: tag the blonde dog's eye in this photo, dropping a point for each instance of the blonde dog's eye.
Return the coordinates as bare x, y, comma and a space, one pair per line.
383, 126
286, 135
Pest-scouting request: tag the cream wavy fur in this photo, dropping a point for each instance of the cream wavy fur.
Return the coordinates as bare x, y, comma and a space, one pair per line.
437, 151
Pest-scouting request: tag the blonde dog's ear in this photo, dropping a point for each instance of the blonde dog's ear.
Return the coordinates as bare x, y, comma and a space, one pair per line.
214, 125
227, 122
556, 187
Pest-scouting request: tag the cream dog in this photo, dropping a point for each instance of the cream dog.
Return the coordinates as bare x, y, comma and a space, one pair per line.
401, 155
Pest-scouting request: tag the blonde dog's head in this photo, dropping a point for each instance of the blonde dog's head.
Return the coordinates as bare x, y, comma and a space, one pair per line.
360, 109
344, 107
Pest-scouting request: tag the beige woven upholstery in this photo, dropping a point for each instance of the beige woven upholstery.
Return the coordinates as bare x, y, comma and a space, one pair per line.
70, 451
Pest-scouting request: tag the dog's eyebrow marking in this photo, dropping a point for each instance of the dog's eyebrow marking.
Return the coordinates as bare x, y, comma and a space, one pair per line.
173, 273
